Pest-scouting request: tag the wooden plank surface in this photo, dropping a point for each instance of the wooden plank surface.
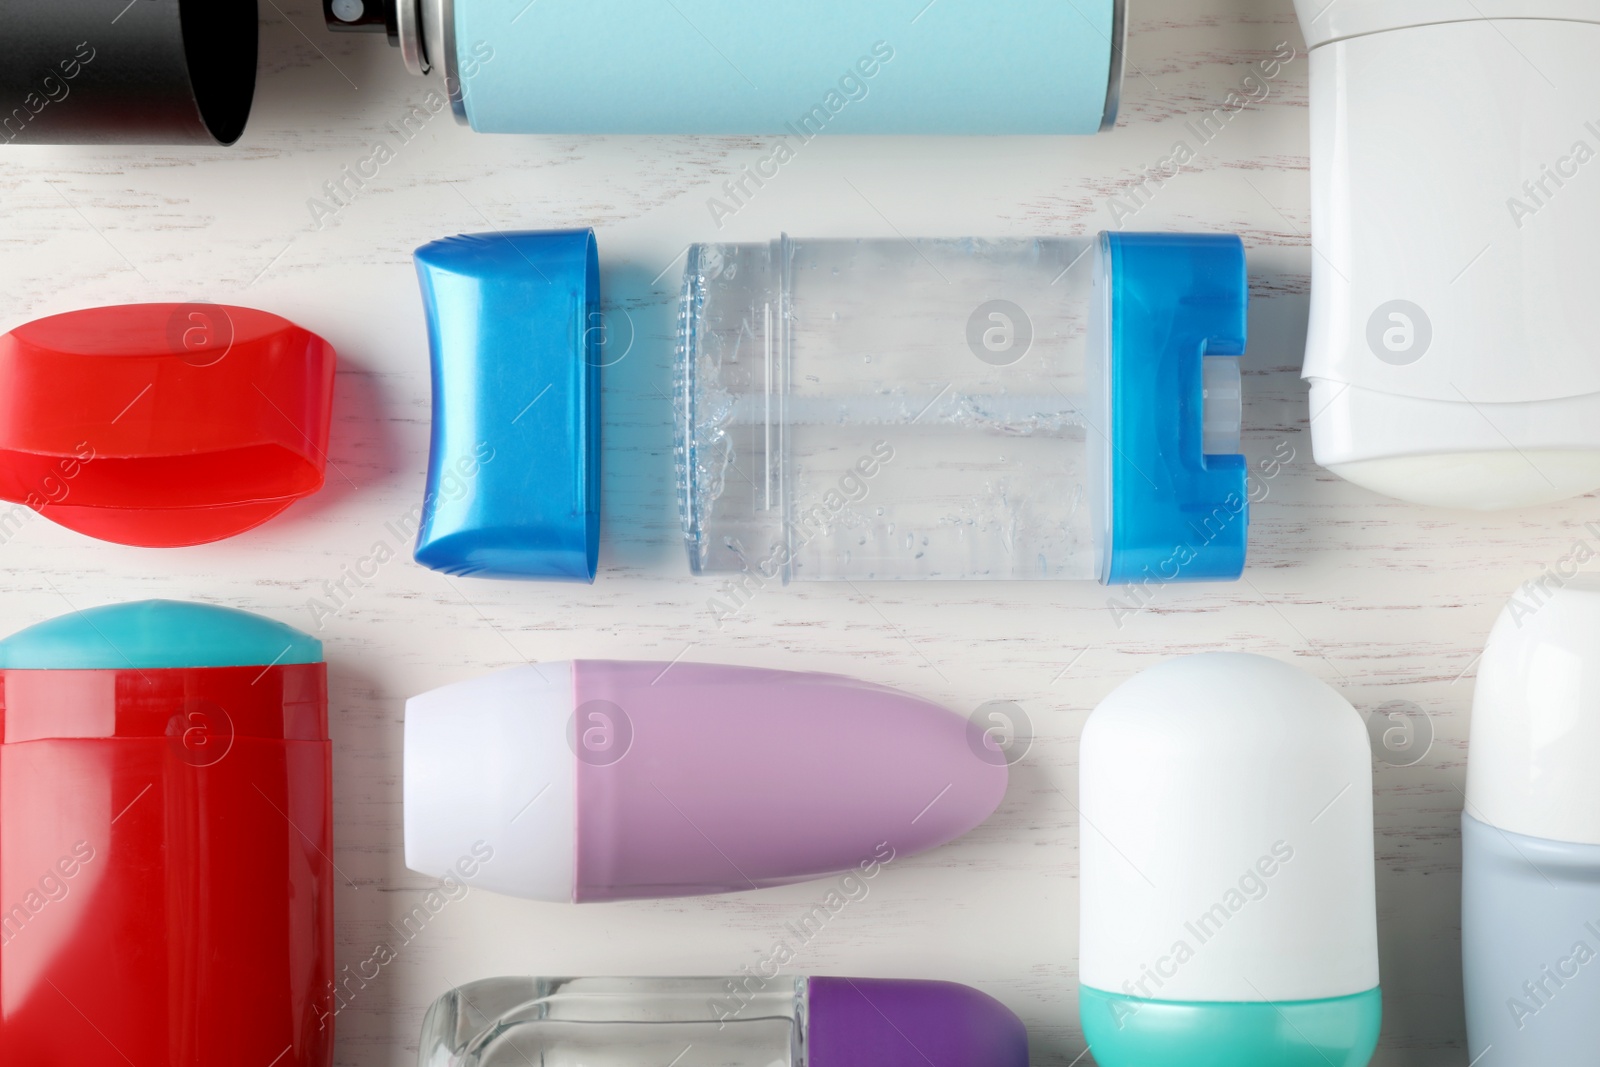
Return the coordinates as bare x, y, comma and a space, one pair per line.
1387, 602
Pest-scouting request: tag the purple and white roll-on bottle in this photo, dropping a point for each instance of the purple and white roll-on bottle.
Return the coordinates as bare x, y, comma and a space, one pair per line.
596, 780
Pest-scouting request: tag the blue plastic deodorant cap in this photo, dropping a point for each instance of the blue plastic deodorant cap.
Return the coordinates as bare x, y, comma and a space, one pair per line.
514, 332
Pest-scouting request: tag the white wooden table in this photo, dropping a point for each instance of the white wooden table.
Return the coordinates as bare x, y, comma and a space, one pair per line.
1385, 601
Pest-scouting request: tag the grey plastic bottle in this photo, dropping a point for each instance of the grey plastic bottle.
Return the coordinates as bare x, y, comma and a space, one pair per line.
1530, 903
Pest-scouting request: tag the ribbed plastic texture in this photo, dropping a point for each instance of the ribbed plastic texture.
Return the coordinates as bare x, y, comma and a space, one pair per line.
964, 408
887, 409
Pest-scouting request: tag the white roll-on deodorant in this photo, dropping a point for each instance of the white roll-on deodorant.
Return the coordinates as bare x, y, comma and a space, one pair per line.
1530, 835
1228, 914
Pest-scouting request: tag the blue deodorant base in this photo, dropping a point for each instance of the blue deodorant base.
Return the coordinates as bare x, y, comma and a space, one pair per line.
794, 69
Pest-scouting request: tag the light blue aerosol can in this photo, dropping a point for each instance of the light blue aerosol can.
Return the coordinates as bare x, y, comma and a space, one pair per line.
792, 68
1530, 906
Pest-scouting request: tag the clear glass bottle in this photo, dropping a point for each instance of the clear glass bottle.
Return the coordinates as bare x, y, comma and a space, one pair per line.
963, 408
742, 1021
615, 1022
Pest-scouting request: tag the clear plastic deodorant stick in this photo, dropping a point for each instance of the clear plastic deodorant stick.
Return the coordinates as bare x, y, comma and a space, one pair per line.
1061, 407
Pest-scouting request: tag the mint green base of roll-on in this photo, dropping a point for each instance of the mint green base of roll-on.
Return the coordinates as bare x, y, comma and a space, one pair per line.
792, 70
1127, 1031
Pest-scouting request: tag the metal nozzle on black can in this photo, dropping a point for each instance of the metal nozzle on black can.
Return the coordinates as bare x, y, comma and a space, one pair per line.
126, 71
402, 20
362, 16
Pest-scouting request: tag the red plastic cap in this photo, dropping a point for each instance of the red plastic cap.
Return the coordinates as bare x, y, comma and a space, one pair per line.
163, 425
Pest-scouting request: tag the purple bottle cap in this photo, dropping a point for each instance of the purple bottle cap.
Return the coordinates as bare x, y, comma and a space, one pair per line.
876, 1022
